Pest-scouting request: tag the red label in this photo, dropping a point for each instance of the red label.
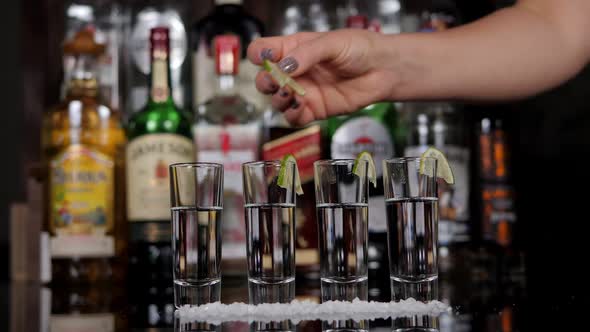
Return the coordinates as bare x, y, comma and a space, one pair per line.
227, 56
304, 145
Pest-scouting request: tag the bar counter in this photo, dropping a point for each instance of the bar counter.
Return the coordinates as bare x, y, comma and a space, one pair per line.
485, 289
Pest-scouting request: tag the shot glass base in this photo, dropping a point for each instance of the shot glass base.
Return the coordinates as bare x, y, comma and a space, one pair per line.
422, 290
337, 290
345, 326
196, 293
260, 291
425, 290
192, 326
282, 326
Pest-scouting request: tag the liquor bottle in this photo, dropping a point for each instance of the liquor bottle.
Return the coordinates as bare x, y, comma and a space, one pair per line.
300, 15
144, 15
497, 194
386, 13
441, 125
82, 142
498, 203
107, 18
159, 135
305, 144
227, 130
228, 17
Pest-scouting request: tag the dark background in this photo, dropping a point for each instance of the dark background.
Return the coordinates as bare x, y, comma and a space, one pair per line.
550, 136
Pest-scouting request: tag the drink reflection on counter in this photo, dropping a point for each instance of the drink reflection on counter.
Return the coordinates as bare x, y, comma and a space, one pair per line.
151, 307
82, 309
182, 326
345, 325
283, 326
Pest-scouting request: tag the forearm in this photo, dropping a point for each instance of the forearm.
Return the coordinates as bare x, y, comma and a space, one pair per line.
512, 53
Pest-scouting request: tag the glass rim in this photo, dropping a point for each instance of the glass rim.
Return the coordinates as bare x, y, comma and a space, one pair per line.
199, 164
333, 162
403, 160
262, 163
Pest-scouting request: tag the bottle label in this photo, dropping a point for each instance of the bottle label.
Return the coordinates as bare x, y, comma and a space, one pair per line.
363, 134
141, 57
453, 200
148, 184
204, 69
83, 322
81, 203
498, 213
160, 90
305, 146
230, 145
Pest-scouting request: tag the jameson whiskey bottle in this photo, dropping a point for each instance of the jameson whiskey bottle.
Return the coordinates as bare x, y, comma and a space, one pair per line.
82, 143
159, 135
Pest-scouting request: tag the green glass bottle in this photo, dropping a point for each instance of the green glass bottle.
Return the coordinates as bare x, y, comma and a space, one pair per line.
159, 135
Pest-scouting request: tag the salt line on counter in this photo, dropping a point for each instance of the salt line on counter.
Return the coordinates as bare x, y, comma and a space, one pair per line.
216, 313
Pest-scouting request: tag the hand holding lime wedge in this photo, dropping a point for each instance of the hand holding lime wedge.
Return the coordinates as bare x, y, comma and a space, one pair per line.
443, 169
371, 170
281, 77
285, 181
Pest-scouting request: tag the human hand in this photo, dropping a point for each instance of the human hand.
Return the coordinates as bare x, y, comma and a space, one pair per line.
341, 72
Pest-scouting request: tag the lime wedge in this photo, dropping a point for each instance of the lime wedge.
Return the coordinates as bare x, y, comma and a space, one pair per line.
285, 181
444, 170
282, 78
371, 171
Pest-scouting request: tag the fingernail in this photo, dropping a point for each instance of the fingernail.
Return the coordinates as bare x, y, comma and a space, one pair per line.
288, 64
284, 93
271, 84
266, 53
295, 104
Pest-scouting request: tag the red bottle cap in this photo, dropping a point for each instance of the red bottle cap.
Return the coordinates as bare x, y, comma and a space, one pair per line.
357, 22
227, 56
160, 39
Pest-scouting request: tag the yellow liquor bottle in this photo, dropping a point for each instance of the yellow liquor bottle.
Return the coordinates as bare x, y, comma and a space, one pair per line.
83, 149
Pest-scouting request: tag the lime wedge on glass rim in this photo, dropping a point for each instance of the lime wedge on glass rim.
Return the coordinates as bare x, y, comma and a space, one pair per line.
443, 169
285, 181
371, 171
281, 77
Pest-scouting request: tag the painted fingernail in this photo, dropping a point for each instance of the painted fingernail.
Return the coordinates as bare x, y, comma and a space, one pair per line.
266, 53
295, 104
271, 84
288, 64
284, 93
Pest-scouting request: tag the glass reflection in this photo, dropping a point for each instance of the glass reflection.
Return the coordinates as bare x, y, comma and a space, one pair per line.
348, 325
283, 326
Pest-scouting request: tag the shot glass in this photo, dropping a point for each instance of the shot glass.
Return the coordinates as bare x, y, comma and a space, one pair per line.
270, 230
196, 194
412, 234
342, 211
